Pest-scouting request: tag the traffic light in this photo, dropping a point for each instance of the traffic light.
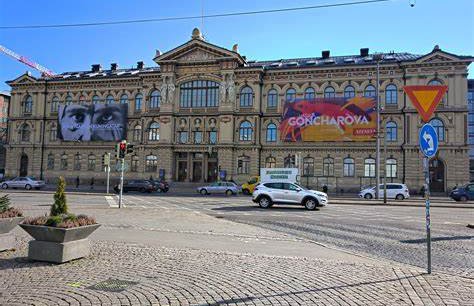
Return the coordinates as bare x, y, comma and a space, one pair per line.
129, 148
121, 149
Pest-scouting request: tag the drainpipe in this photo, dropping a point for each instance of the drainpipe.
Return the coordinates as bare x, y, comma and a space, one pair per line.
43, 127
404, 125
260, 119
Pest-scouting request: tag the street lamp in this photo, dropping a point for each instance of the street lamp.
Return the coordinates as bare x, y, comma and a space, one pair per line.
377, 57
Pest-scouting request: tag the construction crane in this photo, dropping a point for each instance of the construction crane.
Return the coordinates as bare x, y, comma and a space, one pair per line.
45, 71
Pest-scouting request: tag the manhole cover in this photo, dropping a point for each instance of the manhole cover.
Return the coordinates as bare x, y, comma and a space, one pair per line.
112, 285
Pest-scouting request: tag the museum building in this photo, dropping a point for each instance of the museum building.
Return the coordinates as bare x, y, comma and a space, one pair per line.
205, 111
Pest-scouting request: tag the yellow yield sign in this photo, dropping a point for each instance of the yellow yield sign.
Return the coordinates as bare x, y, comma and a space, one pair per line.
425, 98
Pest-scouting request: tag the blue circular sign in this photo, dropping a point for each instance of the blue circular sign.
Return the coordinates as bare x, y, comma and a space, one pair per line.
428, 140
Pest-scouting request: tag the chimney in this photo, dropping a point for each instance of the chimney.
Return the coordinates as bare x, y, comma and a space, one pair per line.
140, 65
325, 54
96, 68
235, 48
113, 66
364, 52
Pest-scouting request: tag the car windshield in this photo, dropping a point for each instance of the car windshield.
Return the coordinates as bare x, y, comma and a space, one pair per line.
31, 178
300, 186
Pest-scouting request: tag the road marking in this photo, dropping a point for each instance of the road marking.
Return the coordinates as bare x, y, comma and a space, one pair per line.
111, 201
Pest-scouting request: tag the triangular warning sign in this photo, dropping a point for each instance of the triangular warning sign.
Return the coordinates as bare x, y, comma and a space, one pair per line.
425, 98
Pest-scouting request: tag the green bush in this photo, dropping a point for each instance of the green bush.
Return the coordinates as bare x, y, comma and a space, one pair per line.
60, 205
54, 221
4, 203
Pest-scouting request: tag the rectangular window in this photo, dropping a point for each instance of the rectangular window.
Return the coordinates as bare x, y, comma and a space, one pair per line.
53, 135
212, 137
134, 165
369, 170
349, 169
183, 137
91, 164
197, 137
243, 166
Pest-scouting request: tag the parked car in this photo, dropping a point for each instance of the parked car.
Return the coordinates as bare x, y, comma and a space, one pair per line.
394, 191
229, 188
25, 182
136, 185
267, 194
463, 193
249, 186
161, 186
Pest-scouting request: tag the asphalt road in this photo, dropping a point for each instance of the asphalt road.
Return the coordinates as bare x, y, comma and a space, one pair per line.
386, 232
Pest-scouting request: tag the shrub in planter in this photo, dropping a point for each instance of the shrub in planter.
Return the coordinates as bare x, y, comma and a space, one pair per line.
9, 218
61, 236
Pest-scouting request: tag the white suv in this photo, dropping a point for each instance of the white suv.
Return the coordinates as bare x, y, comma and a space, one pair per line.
267, 194
394, 191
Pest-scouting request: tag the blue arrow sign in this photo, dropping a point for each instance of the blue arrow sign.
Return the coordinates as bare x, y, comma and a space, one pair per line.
428, 140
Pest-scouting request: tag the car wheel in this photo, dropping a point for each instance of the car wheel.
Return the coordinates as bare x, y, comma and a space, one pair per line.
265, 202
4, 186
463, 199
367, 196
28, 187
142, 190
246, 191
203, 191
400, 197
310, 204
229, 192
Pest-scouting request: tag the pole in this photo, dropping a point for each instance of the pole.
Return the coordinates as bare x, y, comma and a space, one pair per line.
377, 153
427, 203
108, 172
385, 176
121, 181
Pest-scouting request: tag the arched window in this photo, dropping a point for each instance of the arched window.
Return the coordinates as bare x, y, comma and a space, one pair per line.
137, 133
154, 131
68, 100
77, 161
64, 162
439, 127
391, 168
272, 98
245, 131
246, 97
95, 99
328, 166
349, 167
91, 162
349, 92
53, 133
391, 95
271, 132
243, 165
151, 163
25, 132
308, 166
309, 93
124, 99
369, 167
438, 82
290, 95
369, 91
135, 163
28, 105
391, 131
270, 162
50, 161
138, 102
155, 99
55, 104
289, 161
199, 93
329, 92
109, 99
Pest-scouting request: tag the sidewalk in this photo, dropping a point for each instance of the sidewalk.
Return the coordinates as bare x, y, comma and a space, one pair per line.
176, 257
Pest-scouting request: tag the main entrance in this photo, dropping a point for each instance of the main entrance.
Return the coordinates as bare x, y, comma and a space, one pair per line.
196, 167
24, 165
437, 175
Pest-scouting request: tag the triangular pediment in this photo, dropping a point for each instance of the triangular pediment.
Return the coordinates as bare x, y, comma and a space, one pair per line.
25, 78
197, 50
437, 55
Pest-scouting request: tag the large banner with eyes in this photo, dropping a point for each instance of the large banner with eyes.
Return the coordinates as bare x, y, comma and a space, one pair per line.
92, 122
329, 119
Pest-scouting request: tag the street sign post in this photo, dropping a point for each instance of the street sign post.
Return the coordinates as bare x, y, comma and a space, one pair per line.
428, 140
107, 169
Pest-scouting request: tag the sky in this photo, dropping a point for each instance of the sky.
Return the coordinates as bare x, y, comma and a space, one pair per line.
382, 27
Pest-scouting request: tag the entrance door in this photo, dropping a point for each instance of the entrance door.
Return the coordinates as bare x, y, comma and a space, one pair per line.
436, 175
212, 171
197, 171
182, 171
24, 165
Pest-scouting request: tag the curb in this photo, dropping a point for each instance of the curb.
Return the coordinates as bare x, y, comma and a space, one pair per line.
442, 205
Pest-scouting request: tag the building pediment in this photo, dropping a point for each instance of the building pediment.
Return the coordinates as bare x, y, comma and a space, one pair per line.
25, 78
438, 55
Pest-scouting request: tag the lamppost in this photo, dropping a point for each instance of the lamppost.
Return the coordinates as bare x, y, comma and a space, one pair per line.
377, 57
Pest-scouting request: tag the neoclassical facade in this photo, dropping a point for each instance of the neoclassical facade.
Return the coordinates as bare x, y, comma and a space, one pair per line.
205, 110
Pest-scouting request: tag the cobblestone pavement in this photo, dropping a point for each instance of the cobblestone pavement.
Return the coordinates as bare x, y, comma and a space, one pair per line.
130, 274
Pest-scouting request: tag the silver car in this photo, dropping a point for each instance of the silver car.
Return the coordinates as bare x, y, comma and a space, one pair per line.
25, 182
227, 188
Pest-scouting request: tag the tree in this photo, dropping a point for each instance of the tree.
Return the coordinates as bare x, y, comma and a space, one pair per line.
60, 205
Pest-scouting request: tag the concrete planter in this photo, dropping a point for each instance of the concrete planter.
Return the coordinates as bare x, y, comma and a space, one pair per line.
7, 241
58, 245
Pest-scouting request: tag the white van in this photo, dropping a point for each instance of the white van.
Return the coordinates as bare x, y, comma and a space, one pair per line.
394, 191
289, 175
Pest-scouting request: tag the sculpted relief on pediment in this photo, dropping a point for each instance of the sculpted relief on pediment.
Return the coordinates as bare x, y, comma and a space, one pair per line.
196, 55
